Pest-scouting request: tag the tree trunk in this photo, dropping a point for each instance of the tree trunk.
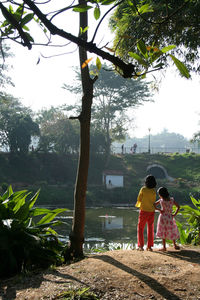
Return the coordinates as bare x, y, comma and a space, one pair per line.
78, 226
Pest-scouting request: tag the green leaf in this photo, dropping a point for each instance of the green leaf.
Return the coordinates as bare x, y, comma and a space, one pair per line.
19, 204
195, 202
25, 28
24, 210
142, 48
50, 216
98, 63
144, 76
33, 199
5, 23
11, 9
10, 191
145, 9
20, 9
180, 66
97, 12
7, 194
138, 58
29, 37
85, 29
82, 8
107, 2
39, 211
27, 19
48, 224
168, 48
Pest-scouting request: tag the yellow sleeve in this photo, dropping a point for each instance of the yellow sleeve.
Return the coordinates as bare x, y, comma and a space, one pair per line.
139, 199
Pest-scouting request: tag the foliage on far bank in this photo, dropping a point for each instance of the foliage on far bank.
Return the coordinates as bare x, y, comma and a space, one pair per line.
55, 175
27, 236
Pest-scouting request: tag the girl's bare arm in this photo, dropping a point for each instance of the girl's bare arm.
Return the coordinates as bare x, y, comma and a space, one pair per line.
156, 206
177, 208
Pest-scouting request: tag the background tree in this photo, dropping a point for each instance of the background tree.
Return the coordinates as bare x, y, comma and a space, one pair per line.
196, 137
164, 139
57, 132
97, 140
158, 23
14, 26
16, 125
114, 97
4, 68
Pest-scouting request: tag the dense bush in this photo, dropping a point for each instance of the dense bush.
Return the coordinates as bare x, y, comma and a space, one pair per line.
190, 229
27, 237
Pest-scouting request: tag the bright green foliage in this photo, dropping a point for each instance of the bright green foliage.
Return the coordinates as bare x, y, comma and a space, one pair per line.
149, 58
191, 233
18, 18
27, 239
158, 23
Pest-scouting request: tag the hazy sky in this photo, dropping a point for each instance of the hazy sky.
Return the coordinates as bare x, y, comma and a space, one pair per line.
176, 105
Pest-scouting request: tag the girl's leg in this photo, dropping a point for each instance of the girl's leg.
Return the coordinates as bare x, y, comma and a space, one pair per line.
164, 246
140, 229
176, 247
150, 231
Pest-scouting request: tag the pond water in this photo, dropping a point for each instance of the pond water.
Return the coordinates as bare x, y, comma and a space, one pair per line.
107, 228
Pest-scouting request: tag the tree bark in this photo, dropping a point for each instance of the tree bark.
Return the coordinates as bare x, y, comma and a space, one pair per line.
78, 226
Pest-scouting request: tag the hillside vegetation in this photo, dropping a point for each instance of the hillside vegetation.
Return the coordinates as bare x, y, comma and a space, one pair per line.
55, 175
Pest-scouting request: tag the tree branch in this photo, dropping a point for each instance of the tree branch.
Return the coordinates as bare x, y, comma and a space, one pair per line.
103, 19
16, 25
128, 70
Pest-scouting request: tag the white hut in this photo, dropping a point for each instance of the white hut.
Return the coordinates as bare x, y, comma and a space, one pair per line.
113, 178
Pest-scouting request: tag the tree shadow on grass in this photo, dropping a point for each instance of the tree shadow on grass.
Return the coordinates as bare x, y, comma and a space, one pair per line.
10, 287
189, 255
151, 282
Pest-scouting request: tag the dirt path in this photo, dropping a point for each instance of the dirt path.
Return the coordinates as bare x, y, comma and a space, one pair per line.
120, 274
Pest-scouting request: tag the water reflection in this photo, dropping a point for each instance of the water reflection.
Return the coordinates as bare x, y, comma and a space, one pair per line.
107, 228
111, 222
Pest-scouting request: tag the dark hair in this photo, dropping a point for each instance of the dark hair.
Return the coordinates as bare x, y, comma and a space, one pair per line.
163, 192
150, 182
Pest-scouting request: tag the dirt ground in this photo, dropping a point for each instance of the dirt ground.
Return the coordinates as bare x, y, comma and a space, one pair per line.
119, 274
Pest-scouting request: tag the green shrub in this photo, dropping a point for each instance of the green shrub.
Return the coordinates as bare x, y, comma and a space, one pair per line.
27, 239
190, 231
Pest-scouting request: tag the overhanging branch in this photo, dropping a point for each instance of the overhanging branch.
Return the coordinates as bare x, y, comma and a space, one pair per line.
16, 25
128, 70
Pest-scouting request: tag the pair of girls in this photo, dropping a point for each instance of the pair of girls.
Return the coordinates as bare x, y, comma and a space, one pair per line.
166, 226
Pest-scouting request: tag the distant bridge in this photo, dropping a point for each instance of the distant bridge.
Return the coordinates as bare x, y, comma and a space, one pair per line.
153, 150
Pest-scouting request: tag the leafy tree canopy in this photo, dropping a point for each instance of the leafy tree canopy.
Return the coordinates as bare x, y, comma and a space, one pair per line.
158, 23
58, 133
16, 124
114, 96
16, 17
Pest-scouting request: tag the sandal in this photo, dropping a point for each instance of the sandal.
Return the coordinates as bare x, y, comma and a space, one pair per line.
176, 247
140, 249
149, 249
162, 249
